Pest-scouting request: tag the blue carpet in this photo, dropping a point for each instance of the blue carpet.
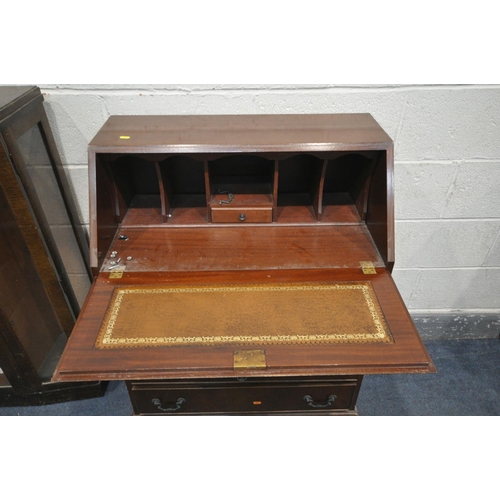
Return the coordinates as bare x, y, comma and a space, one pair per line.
467, 383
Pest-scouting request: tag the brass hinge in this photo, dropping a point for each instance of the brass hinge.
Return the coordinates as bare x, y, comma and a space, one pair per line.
367, 267
116, 273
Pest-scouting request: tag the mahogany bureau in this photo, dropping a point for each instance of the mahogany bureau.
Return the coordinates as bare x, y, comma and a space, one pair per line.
242, 264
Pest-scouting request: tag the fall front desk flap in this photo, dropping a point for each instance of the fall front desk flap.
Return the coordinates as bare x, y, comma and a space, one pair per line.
154, 330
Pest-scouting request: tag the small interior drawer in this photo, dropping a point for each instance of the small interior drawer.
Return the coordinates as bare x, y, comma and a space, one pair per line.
246, 397
237, 214
240, 207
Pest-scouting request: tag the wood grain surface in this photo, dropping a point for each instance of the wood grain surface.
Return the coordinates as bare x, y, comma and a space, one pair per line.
240, 133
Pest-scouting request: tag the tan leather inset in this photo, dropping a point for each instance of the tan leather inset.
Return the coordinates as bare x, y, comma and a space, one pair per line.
145, 316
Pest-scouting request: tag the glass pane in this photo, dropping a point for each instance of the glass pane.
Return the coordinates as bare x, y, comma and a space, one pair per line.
39, 168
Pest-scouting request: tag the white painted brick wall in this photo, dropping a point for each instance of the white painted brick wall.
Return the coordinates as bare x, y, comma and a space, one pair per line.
447, 172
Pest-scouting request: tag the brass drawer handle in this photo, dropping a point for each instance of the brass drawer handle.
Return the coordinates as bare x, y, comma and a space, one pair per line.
177, 406
242, 217
310, 401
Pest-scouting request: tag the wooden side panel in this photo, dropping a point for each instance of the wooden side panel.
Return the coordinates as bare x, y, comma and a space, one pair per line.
22, 214
103, 212
18, 372
23, 299
380, 208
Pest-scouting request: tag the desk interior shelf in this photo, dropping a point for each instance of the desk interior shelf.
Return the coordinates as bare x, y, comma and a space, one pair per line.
301, 188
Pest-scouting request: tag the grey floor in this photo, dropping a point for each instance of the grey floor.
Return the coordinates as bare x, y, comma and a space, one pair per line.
467, 382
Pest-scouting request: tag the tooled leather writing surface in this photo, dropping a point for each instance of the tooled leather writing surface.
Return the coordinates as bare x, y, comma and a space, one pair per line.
270, 314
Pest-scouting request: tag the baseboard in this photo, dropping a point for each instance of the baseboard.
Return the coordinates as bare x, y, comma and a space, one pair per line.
457, 326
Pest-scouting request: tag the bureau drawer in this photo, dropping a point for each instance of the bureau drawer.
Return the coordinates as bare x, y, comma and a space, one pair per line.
243, 397
249, 203
242, 214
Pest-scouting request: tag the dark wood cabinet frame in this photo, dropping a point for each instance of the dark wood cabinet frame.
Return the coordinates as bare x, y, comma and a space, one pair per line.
38, 306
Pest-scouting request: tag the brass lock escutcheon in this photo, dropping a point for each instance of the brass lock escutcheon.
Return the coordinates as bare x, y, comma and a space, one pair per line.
249, 359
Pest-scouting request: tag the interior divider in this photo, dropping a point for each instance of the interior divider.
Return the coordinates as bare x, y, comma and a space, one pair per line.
164, 203
362, 202
105, 169
318, 197
208, 190
275, 190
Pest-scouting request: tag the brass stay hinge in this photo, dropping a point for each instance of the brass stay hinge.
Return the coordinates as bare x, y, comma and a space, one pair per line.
367, 267
117, 273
